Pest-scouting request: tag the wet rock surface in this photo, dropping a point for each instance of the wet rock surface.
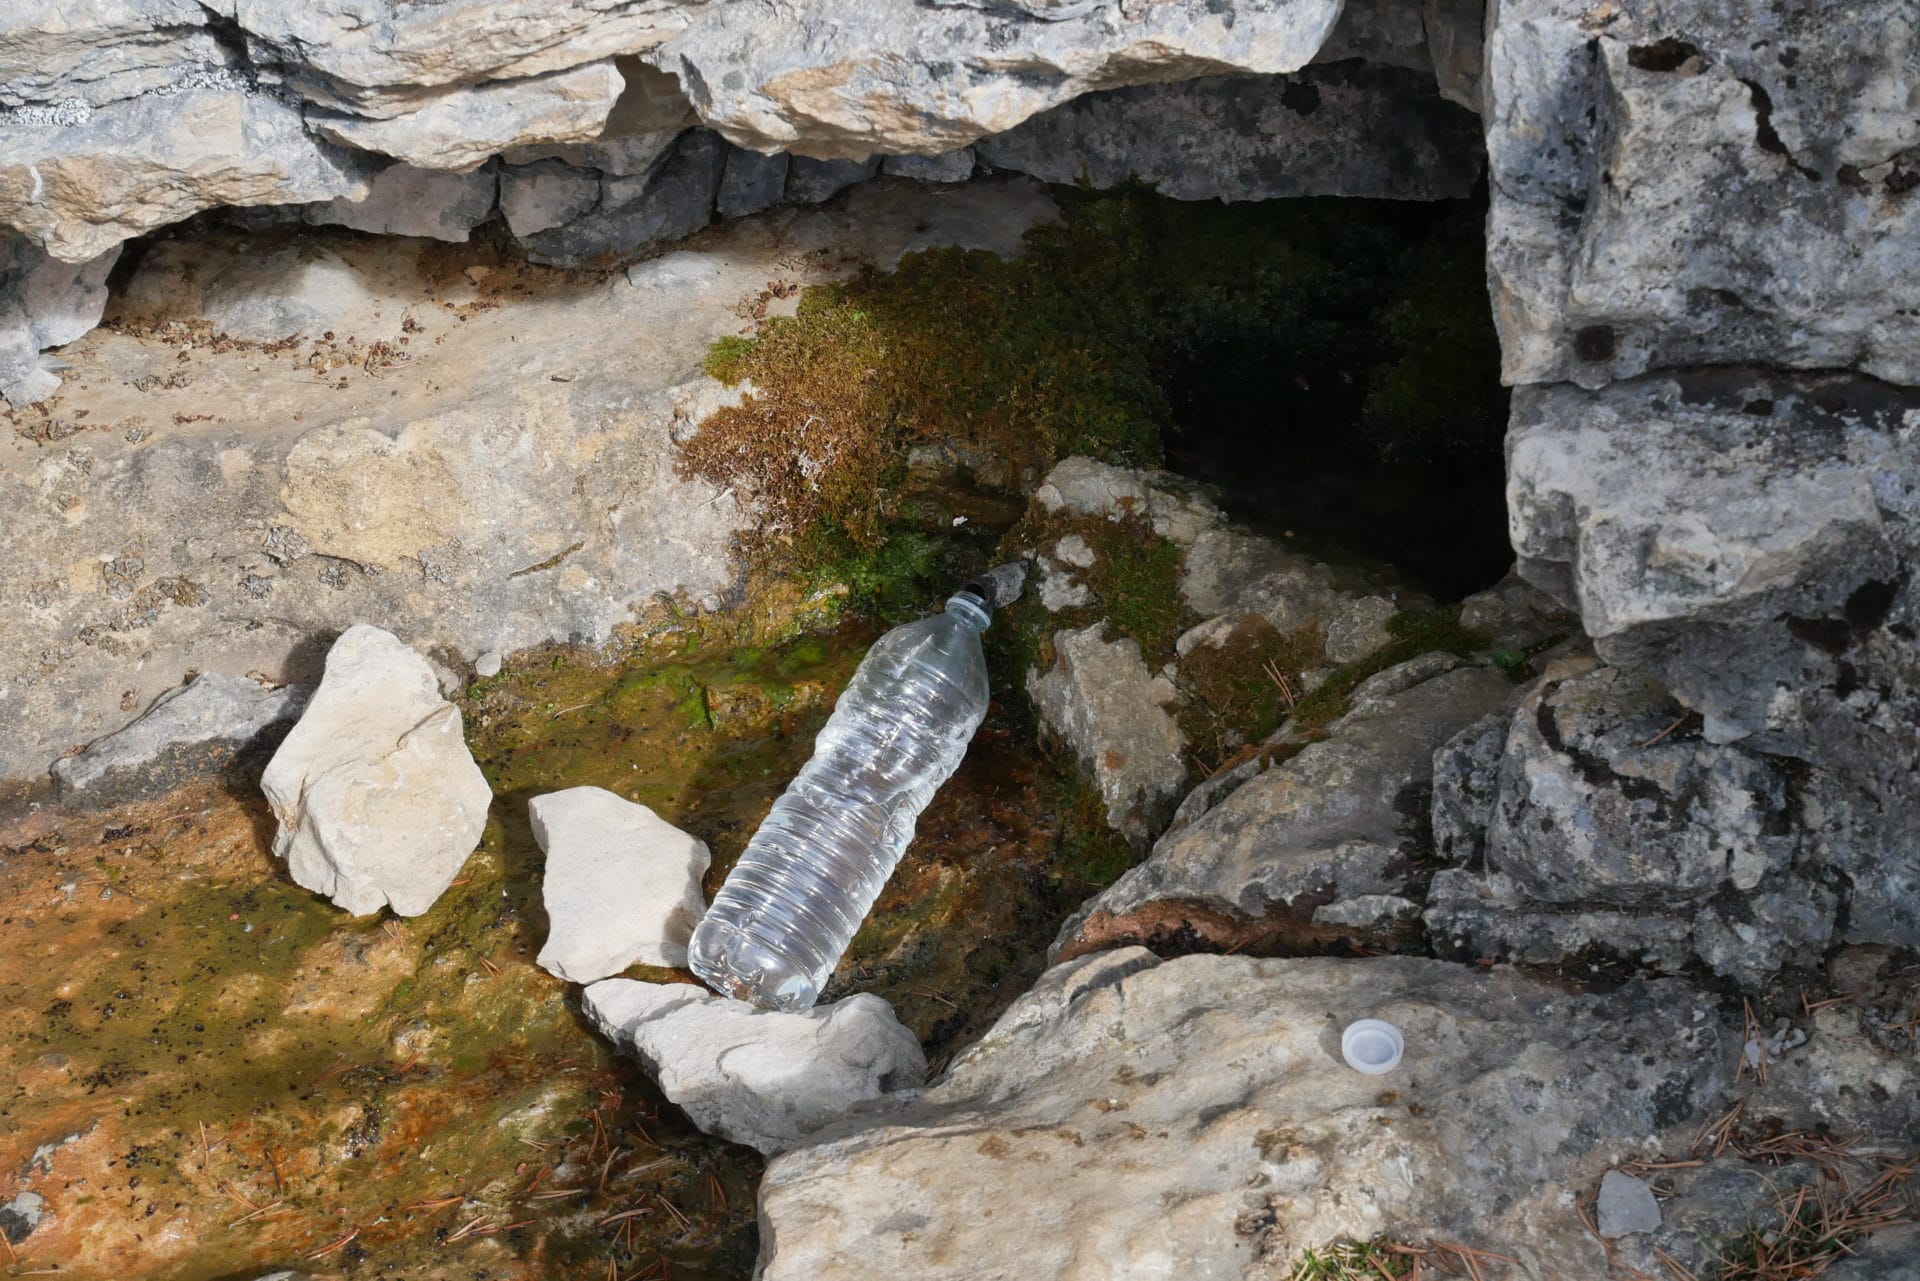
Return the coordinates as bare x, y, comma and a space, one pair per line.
621, 884
764, 1078
1208, 1096
378, 799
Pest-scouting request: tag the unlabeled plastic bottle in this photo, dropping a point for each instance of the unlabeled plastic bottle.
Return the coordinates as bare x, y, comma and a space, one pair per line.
811, 873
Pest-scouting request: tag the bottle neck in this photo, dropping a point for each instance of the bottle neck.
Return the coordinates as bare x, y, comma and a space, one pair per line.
970, 610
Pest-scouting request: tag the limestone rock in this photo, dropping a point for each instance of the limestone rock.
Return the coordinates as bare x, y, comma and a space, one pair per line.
621, 884
44, 303
1128, 1111
1622, 149
1319, 849
1592, 809
266, 296
751, 182
840, 79
671, 200
56, 52
79, 189
764, 1078
187, 731
949, 166
1516, 615
545, 194
406, 201
1355, 129
461, 127
811, 181
1116, 718
378, 800
1229, 571
22, 1215
1625, 1206
1762, 572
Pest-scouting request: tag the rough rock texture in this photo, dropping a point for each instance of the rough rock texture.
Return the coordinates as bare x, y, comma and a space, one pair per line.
1626, 1205
764, 1078
188, 730
1764, 572
406, 201
462, 129
44, 303
751, 182
1136, 1118
1320, 849
1603, 825
378, 800
621, 884
671, 200
842, 79
1351, 129
518, 488
1704, 183
79, 189
1117, 719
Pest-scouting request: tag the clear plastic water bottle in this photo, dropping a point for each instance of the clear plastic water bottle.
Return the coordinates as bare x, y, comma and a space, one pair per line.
811, 873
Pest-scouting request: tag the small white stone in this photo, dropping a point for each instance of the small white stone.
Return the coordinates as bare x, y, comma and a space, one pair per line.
621, 886
488, 664
1626, 1205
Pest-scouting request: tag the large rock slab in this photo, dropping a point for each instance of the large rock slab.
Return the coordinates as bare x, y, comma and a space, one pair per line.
621, 884
1116, 718
839, 79
1354, 129
1763, 571
44, 303
1320, 850
674, 198
1704, 183
764, 1078
377, 797
1134, 1118
189, 730
58, 52
461, 128
79, 188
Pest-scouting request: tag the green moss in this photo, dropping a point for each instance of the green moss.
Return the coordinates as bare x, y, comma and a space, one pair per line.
1091, 855
1247, 685
1354, 1261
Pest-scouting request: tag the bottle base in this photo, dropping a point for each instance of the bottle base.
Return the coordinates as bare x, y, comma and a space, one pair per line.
736, 964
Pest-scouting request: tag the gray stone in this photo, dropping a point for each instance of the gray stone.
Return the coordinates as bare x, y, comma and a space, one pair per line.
1466, 781
1762, 572
1456, 42
1133, 1111
764, 1078
106, 51
488, 664
673, 199
1176, 508
267, 297
333, 55
620, 156
189, 730
405, 201
948, 166
1353, 129
1625, 1206
460, 127
1516, 615
377, 798
545, 194
1116, 718
1320, 849
80, 189
751, 182
1231, 571
20, 1216
840, 79
1484, 915
621, 885
1595, 807
811, 181
44, 303
1706, 183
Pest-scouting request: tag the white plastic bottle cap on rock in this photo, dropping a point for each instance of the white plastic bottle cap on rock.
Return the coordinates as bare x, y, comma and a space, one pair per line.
1372, 1046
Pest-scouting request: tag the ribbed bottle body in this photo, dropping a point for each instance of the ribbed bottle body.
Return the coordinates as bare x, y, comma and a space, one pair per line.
812, 871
